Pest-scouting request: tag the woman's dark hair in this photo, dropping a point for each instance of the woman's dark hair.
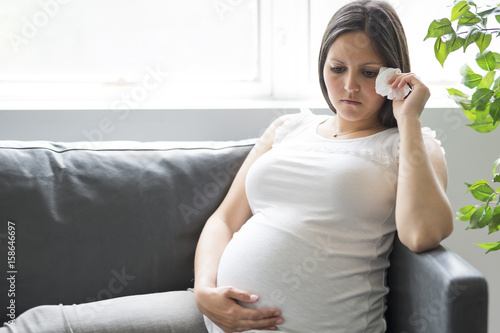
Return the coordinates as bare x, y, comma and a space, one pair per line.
380, 22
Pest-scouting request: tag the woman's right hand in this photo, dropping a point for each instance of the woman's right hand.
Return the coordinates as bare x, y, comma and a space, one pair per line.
221, 306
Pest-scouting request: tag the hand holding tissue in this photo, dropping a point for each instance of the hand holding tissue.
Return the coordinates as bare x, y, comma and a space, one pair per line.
385, 89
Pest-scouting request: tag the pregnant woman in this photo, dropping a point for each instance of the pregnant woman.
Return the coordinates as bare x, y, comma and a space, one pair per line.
300, 243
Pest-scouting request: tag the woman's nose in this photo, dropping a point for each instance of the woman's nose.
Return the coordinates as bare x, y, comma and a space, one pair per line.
351, 84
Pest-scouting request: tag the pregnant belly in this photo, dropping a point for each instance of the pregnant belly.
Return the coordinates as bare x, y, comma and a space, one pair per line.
307, 278
267, 262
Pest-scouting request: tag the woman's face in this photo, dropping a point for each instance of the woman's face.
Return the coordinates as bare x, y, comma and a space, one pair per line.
350, 70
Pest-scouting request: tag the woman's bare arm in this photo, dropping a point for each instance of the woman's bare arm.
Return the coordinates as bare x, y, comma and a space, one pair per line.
423, 212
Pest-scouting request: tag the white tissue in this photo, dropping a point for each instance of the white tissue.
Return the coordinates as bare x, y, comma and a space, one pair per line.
384, 89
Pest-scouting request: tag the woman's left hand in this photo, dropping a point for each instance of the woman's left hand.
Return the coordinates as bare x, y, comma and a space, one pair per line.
414, 103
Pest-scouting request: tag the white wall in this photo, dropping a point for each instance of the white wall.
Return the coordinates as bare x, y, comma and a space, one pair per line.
470, 155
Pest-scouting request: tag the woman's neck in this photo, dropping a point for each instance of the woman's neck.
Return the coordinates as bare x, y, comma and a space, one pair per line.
342, 127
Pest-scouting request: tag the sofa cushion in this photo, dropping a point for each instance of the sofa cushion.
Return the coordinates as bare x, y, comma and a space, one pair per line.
107, 219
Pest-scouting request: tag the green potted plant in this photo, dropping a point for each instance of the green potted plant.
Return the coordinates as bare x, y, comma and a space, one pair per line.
471, 26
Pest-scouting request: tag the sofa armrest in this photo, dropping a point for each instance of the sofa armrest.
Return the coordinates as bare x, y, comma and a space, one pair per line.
434, 292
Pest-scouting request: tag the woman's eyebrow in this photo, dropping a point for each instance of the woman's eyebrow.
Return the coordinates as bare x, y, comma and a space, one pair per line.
333, 59
363, 64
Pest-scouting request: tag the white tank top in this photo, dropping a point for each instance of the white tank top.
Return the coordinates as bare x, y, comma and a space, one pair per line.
318, 242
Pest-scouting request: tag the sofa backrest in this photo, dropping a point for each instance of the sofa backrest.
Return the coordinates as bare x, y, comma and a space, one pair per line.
107, 219
88, 221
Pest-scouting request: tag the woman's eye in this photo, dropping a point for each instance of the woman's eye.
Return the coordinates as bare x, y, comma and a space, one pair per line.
371, 74
337, 69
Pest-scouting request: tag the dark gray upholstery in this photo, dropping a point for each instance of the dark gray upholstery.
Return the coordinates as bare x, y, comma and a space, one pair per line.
435, 291
109, 219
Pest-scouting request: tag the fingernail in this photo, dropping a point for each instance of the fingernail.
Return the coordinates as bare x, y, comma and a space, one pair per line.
276, 314
254, 297
279, 321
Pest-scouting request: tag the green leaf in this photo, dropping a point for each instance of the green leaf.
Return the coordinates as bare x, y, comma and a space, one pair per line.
497, 58
486, 61
442, 48
439, 28
460, 98
476, 184
495, 110
490, 11
494, 224
484, 126
483, 41
455, 43
496, 178
481, 190
485, 21
487, 80
464, 213
440, 51
490, 246
495, 165
470, 114
470, 79
481, 98
472, 36
497, 17
468, 18
480, 218
484, 115
496, 85
456, 92
459, 9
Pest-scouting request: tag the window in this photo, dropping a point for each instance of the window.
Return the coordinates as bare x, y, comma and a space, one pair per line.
150, 53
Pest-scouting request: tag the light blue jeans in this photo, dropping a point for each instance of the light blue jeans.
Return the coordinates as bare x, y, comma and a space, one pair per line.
168, 312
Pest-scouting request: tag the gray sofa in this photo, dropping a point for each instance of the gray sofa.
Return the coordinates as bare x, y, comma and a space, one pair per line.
106, 219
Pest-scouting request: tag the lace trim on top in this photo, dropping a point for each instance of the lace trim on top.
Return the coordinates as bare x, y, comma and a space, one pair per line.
383, 157
291, 122
429, 133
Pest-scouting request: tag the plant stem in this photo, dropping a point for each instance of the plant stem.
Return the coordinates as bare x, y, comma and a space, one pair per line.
481, 29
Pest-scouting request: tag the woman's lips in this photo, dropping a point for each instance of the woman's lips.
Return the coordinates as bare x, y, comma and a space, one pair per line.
350, 102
